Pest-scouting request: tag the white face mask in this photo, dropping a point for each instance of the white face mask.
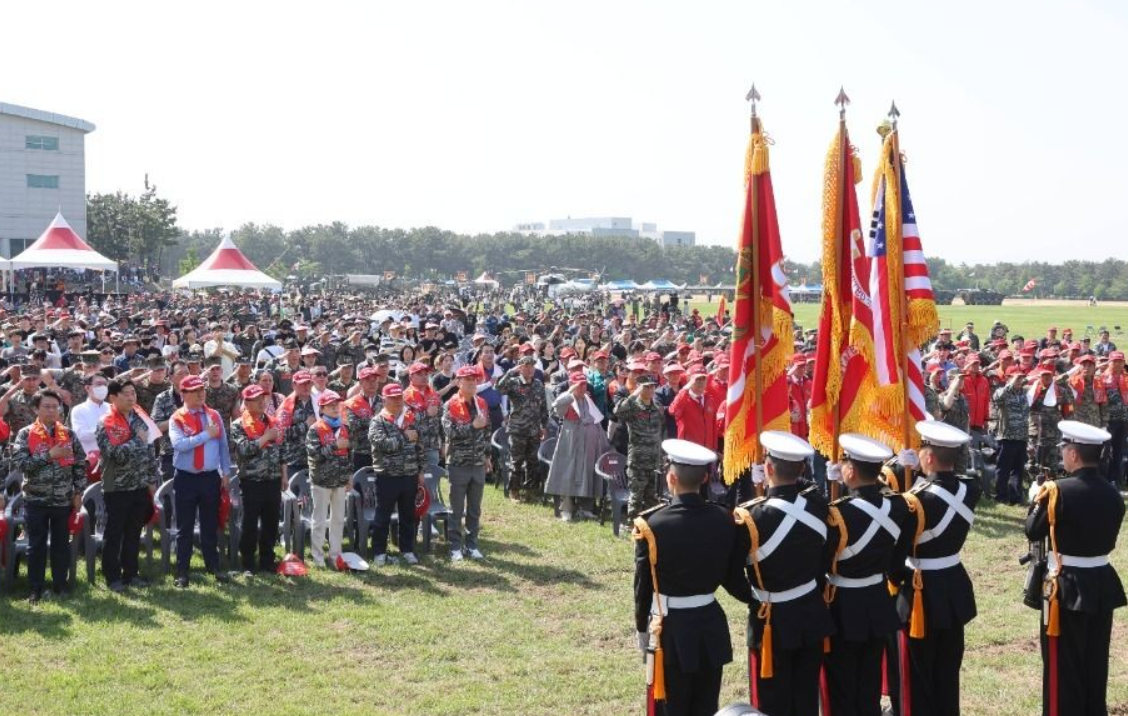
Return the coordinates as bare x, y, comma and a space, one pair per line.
99, 392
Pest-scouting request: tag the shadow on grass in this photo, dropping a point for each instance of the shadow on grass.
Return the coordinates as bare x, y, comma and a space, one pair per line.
1001, 522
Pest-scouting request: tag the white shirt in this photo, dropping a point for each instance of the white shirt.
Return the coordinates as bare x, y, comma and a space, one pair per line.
84, 420
212, 348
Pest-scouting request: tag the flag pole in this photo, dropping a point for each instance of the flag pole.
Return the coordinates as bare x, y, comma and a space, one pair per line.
843, 156
753, 96
895, 161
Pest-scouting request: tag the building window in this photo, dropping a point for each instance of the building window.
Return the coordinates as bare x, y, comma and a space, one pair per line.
38, 142
17, 246
42, 181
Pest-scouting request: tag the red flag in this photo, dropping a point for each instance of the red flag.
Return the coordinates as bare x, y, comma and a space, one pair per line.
721, 308
1029, 286
761, 303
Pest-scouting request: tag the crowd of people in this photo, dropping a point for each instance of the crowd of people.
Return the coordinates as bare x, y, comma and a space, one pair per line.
196, 388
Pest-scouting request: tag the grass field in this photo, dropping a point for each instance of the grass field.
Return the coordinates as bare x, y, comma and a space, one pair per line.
543, 626
1028, 320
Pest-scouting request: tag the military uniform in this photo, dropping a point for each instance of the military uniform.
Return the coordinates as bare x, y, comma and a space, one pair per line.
129, 471
49, 488
930, 686
147, 393
1086, 409
645, 426
164, 406
72, 381
20, 413
359, 411
1011, 431
528, 417
467, 448
398, 462
340, 387
260, 480
959, 416
1043, 424
1087, 513
294, 440
327, 466
222, 399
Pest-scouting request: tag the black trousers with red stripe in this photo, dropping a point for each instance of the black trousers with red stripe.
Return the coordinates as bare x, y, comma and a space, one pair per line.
853, 677
930, 673
1075, 665
793, 689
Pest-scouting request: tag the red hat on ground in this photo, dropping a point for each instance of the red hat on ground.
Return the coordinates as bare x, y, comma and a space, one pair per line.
418, 367
468, 371
301, 377
577, 377
422, 502
292, 566
392, 390
253, 391
367, 372
328, 397
190, 383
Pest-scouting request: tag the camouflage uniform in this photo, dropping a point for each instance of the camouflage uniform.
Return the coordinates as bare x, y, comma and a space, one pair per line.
294, 441
129, 466
238, 385
72, 381
256, 463
358, 426
46, 482
392, 453
340, 388
931, 401
527, 418
1087, 410
466, 445
326, 468
283, 374
1014, 412
222, 399
959, 415
1044, 432
644, 425
164, 406
20, 413
328, 357
147, 394
354, 353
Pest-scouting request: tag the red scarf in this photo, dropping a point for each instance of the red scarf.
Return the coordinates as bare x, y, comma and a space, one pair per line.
460, 409
326, 435
359, 406
285, 413
117, 427
408, 418
1077, 382
255, 428
190, 424
1109, 382
420, 398
41, 442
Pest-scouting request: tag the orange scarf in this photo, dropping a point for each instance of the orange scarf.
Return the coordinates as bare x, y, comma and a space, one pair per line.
285, 413
117, 427
255, 428
1077, 382
359, 406
1109, 382
190, 424
460, 409
41, 442
420, 398
326, 435
408, 418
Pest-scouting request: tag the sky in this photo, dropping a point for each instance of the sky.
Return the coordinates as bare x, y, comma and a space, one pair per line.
476, 116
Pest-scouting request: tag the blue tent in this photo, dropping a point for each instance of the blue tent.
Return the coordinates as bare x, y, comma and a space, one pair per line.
660, 284
623, 284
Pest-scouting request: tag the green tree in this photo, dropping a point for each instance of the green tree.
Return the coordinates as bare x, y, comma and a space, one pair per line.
189, 262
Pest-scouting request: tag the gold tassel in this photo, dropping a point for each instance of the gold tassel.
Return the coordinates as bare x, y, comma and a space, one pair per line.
659, 675
916, 621
1053, 622
767, 668
894, 590
826, 644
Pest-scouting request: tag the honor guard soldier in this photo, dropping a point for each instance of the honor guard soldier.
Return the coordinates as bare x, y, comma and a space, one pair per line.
684, 551
935, 597
789, 547
1080, 516
875, 533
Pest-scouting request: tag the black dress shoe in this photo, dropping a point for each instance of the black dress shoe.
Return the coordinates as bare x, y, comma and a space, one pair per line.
35, 597
222, 577
138, 583
117, 587
61, 590
181, 583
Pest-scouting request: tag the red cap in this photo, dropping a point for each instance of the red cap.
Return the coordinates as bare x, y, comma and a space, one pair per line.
798, 359
636, 365
1116, 355
1004, 354
468, 371
693, 357
598, 355
577, 377
301, 377
674, 368
418, 367
1026, 353
1087, 358
1015, 370
934, 368
972, 359
652, 356
190, 383
392, 390
526, 348
696, 369
328, 397
368, 372
963, 344
576, 364
253, 391
566, 353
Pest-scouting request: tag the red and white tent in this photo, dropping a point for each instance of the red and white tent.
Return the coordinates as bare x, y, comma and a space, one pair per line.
60, 247
227, 266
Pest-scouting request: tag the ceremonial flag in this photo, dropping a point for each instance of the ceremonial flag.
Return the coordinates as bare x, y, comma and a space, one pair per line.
904, 307
721, 308
1029, 286
757, 397
843, 384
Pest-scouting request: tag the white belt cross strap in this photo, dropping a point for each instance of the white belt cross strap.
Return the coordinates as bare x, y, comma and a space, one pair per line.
785, 596
879, 520
932, 564
955, 506
691, 602
1075, 562
793, 512
855, 582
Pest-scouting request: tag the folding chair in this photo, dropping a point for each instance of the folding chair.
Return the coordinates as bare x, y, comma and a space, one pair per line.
544, 455
500, 442
16, 543
301, 517
612, 467
93, 526
360, 510
437, 512
234, 519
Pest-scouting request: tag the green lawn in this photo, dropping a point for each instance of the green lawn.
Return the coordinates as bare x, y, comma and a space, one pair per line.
543, 626
1030, 321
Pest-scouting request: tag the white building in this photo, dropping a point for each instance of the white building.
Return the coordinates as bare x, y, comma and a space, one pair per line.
608, 226
42, 172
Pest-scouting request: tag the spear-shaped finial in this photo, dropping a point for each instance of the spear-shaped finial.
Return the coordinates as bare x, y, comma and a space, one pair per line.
753, 96
842, 100
894, 113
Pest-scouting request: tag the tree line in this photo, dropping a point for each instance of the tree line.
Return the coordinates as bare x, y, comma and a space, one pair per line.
143, 231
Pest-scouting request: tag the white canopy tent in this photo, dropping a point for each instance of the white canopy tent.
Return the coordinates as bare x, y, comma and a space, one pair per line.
227, 266
60, 247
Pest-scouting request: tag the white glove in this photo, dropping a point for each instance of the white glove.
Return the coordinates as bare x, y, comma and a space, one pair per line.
758, 474
643, 641
834, 472
908, 458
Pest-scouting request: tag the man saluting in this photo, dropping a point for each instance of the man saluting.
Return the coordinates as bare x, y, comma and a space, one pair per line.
683, 552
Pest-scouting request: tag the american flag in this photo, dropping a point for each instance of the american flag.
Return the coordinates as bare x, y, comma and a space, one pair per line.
904, 271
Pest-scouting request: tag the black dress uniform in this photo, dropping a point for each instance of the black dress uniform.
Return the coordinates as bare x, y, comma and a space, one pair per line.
930, 664
1088, 512
880, 530
793, 574
697, 553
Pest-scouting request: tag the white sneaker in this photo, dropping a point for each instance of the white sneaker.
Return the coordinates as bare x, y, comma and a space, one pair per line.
380, 560
565, 516
475, 554
410, 558
456, 556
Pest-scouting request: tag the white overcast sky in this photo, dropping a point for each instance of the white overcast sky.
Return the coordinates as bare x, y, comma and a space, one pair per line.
474, 116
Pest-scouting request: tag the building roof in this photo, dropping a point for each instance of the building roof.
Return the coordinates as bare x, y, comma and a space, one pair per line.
39, 115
